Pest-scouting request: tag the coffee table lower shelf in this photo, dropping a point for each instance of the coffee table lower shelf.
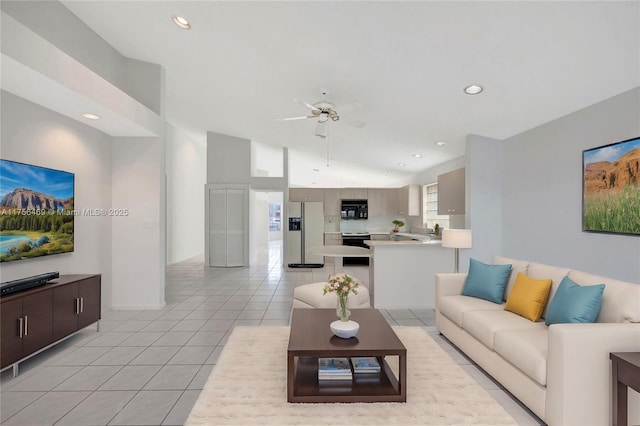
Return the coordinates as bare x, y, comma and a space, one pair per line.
304, 386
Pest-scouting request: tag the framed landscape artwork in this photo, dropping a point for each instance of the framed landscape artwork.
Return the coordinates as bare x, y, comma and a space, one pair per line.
611, 188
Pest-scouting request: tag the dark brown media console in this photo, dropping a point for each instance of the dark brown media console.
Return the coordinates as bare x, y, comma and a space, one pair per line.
34, 319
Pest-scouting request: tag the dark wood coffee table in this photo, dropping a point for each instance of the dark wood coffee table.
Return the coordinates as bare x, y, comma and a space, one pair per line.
625, 372
311, 339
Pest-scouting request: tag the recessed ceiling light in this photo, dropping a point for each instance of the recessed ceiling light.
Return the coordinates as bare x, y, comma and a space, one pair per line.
440, 143
181, 22
416, 155
91, 116
473, 89
402, 165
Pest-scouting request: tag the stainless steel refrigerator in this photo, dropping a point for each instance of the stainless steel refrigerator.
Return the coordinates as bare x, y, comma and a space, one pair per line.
306, 230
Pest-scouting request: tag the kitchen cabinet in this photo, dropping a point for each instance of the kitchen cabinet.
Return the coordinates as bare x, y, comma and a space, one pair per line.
382, 202
38, 317
353, 193
451, 192
331, 201
331, 239
306, 194
409, 200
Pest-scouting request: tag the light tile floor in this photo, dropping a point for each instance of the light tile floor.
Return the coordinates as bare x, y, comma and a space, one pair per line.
148, 367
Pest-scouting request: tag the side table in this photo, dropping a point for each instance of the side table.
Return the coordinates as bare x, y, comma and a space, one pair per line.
625, 373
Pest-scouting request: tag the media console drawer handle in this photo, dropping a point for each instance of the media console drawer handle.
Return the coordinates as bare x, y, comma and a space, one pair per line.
20, 325
26, 325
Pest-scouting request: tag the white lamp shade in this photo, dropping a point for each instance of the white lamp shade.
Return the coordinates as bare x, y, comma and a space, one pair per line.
456, 238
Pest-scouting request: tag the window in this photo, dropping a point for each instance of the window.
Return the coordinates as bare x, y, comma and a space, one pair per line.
430, 207
274, 217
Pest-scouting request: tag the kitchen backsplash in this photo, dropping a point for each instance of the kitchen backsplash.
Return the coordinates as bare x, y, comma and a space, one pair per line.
378, 224
331, 223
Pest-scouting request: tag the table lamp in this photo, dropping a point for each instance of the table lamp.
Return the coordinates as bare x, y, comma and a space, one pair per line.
457, 239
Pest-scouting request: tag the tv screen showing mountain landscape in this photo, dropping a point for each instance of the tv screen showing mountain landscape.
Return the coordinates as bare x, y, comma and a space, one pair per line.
36, 211
611, 188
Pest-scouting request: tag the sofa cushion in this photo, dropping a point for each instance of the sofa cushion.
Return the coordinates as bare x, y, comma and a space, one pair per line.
486, 281
526, 350
484, 324
454, 307
528, 297
540, 271
574, 303
516, 267
620, 301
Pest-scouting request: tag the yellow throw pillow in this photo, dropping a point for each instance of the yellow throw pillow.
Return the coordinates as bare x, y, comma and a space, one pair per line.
528, 297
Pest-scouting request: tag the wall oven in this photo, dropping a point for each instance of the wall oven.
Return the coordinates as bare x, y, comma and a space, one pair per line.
356, 239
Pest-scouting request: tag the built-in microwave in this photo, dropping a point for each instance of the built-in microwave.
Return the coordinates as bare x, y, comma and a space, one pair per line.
354, 209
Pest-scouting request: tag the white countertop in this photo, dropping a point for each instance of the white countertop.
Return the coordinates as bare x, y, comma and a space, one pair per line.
373, 243
340, 251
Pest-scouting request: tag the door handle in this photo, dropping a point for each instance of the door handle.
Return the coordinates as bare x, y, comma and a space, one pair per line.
26, 325
20, 325
77, 305
81, 304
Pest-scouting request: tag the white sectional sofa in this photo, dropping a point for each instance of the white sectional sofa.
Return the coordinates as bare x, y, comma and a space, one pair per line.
562, 372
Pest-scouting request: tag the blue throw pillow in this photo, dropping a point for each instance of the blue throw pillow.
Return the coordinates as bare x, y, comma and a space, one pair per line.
486, 281
574, 303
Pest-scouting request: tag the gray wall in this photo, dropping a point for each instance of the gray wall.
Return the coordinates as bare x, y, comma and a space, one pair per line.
35, 135
484, 211
542, 191
228, 159
55, 23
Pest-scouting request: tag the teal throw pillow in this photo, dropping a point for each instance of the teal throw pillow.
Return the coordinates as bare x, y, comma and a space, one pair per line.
574, 303
486, 281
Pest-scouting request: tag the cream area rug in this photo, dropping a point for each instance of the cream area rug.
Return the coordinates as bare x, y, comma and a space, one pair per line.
248, 387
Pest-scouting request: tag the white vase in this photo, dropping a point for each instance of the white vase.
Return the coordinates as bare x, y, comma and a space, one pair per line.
344, 329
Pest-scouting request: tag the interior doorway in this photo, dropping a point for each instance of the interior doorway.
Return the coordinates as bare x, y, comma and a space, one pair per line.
267, 224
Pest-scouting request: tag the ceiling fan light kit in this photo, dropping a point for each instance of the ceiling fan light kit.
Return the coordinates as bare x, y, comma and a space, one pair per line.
324, 111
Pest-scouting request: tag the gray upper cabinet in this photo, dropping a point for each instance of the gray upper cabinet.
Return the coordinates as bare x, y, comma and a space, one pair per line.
332, 201
451, 193
409, 200
306, 194
353, 193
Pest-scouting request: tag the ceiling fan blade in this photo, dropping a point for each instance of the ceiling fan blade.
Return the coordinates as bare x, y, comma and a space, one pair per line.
321, 129
295, 118
351, 122
349, 106
307, 104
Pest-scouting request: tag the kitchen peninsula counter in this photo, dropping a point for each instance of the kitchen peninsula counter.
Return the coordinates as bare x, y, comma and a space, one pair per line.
402, 273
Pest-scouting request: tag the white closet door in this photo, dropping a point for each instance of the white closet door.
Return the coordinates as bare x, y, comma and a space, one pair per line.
235, 227
218, 227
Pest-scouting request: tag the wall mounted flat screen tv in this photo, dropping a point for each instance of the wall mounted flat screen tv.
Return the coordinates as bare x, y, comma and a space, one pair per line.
611, 188
36, 211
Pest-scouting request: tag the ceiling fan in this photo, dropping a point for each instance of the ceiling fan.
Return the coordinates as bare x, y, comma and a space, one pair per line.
325, 111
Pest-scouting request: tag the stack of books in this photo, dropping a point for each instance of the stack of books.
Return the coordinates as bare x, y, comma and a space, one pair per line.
368, 364
334, 369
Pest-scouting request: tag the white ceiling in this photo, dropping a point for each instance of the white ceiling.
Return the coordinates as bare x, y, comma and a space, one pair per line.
241, 65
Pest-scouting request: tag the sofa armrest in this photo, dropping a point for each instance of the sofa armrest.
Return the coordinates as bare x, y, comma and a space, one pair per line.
579, 371
449, 284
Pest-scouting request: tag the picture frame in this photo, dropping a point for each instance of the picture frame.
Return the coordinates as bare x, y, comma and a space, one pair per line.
611, 188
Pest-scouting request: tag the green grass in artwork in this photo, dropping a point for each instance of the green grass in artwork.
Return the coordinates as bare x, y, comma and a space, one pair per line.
618, 212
